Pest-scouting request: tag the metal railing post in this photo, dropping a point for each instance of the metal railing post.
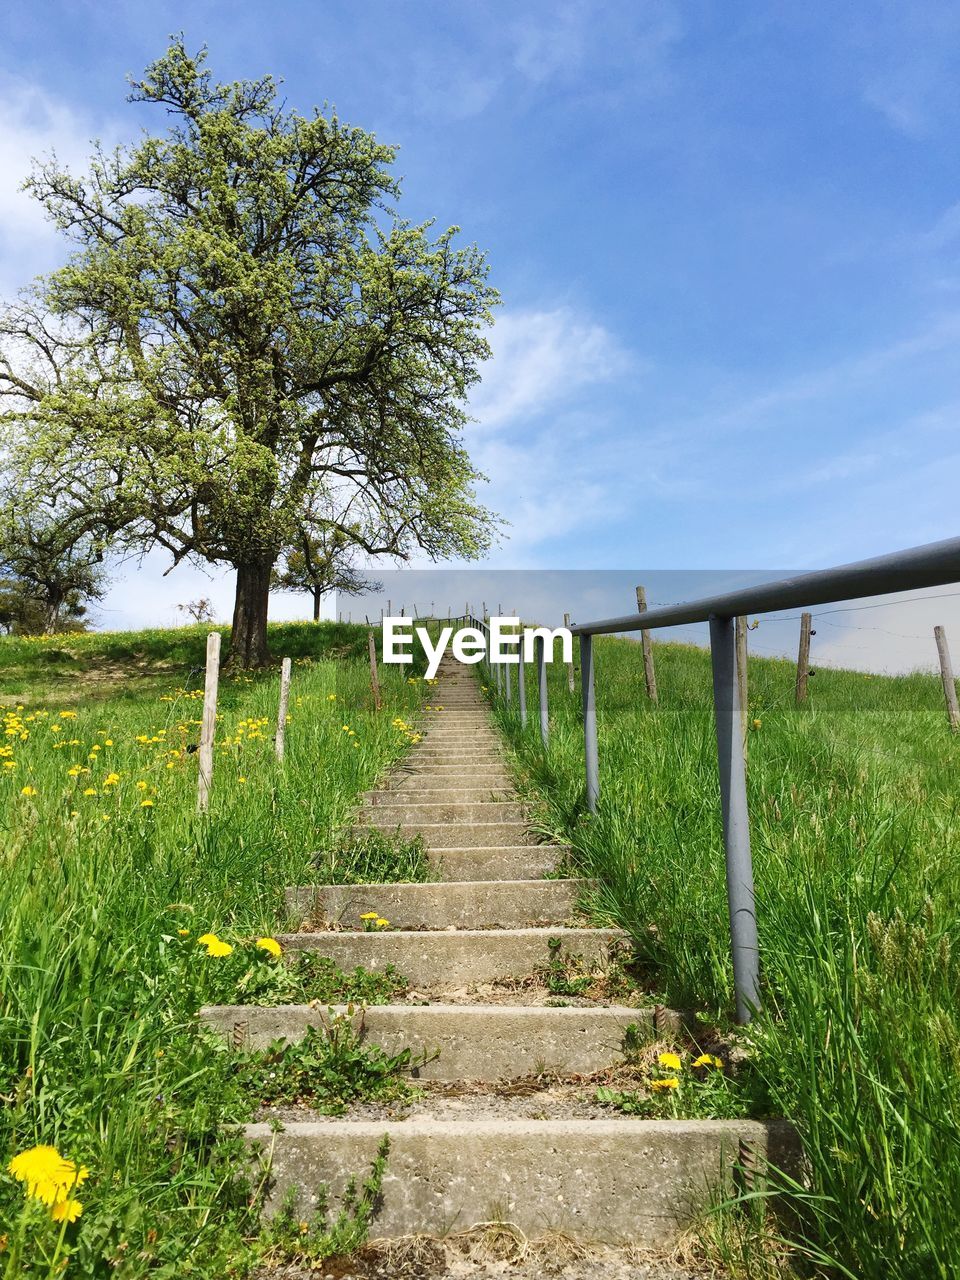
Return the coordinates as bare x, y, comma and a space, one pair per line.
508, 682
736, 819
522, 687
589, 722
539, 650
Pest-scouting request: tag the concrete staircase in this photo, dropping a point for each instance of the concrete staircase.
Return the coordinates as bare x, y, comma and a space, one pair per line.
502, 1133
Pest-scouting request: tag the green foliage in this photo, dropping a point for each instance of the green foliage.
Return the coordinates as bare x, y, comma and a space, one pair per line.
328, 1069
855, 827
289, 1239
101, 1052
373, 857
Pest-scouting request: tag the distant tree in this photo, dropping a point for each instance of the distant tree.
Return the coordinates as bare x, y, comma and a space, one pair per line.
245, 333
321, 564
198, 610
51, 564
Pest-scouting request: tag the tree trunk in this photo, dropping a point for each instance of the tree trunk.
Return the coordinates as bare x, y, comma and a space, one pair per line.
248, 636
316, 604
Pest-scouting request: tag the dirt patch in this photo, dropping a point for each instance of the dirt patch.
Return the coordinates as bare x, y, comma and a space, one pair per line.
492, 1251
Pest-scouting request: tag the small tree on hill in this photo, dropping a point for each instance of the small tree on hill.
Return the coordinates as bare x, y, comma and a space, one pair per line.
244, 333
51, 571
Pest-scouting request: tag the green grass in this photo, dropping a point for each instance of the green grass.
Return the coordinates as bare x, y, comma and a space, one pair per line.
855, 807
102, 899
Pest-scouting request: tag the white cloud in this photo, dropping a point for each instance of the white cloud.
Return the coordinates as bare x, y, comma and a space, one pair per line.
541, 358
36, 124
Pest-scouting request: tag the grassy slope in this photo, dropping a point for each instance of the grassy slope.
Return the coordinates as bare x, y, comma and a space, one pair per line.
99, 1051
856, 831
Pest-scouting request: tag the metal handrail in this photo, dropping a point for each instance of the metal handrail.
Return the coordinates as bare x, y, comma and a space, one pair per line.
935, 564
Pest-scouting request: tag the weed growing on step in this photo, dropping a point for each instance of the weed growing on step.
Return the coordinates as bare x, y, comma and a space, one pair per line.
678, 1084
373, 857
853, 800
327, 1070
568, 974
291, 1239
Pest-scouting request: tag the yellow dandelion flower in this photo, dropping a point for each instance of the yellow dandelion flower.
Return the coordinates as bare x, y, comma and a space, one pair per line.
662, 1086
331, 697
141, 785
146, 804
28, 791
270, 945
708, 1060
381, 923
184, 933
670, 1060
370, 915
111, 779
46, 1174
9, 764
757, 724
66, 1210
215, 946
241, 779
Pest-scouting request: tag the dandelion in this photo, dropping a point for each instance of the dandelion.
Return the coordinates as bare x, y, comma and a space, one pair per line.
708, 1060
9, 764
141, 785
381, 923
241, 779
146, 804
46, 1174
670, 1060
28, 791
90, 791
66, 1210
184, 933
271, 946
662, 1086
111, 779
757, 724
370, 915
331, 697
215, 946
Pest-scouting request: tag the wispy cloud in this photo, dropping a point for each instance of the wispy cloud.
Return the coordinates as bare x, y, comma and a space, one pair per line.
542, 358
36, 124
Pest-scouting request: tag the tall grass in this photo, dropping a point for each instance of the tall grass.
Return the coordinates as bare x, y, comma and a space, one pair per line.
856, 838
100, 1052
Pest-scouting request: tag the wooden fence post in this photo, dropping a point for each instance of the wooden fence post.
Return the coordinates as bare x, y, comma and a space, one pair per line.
571, 682
946, 675
741, 645
646, 643
208, 726
282, 709
374, 677
803, 657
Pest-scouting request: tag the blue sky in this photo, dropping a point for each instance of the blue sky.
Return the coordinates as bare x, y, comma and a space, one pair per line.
727, 239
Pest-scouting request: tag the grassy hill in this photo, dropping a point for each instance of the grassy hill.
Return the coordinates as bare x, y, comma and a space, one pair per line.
855, 806
109, 878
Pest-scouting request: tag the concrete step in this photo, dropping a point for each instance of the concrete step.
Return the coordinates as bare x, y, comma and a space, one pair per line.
449, 835
438, 753
455, 959
481, 770
441, 780
618, 1181
435, 795
417, 812
474, 1042
496, 862
414, 783
465, 904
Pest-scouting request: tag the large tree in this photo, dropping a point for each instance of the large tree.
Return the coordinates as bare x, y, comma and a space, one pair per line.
244, 335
